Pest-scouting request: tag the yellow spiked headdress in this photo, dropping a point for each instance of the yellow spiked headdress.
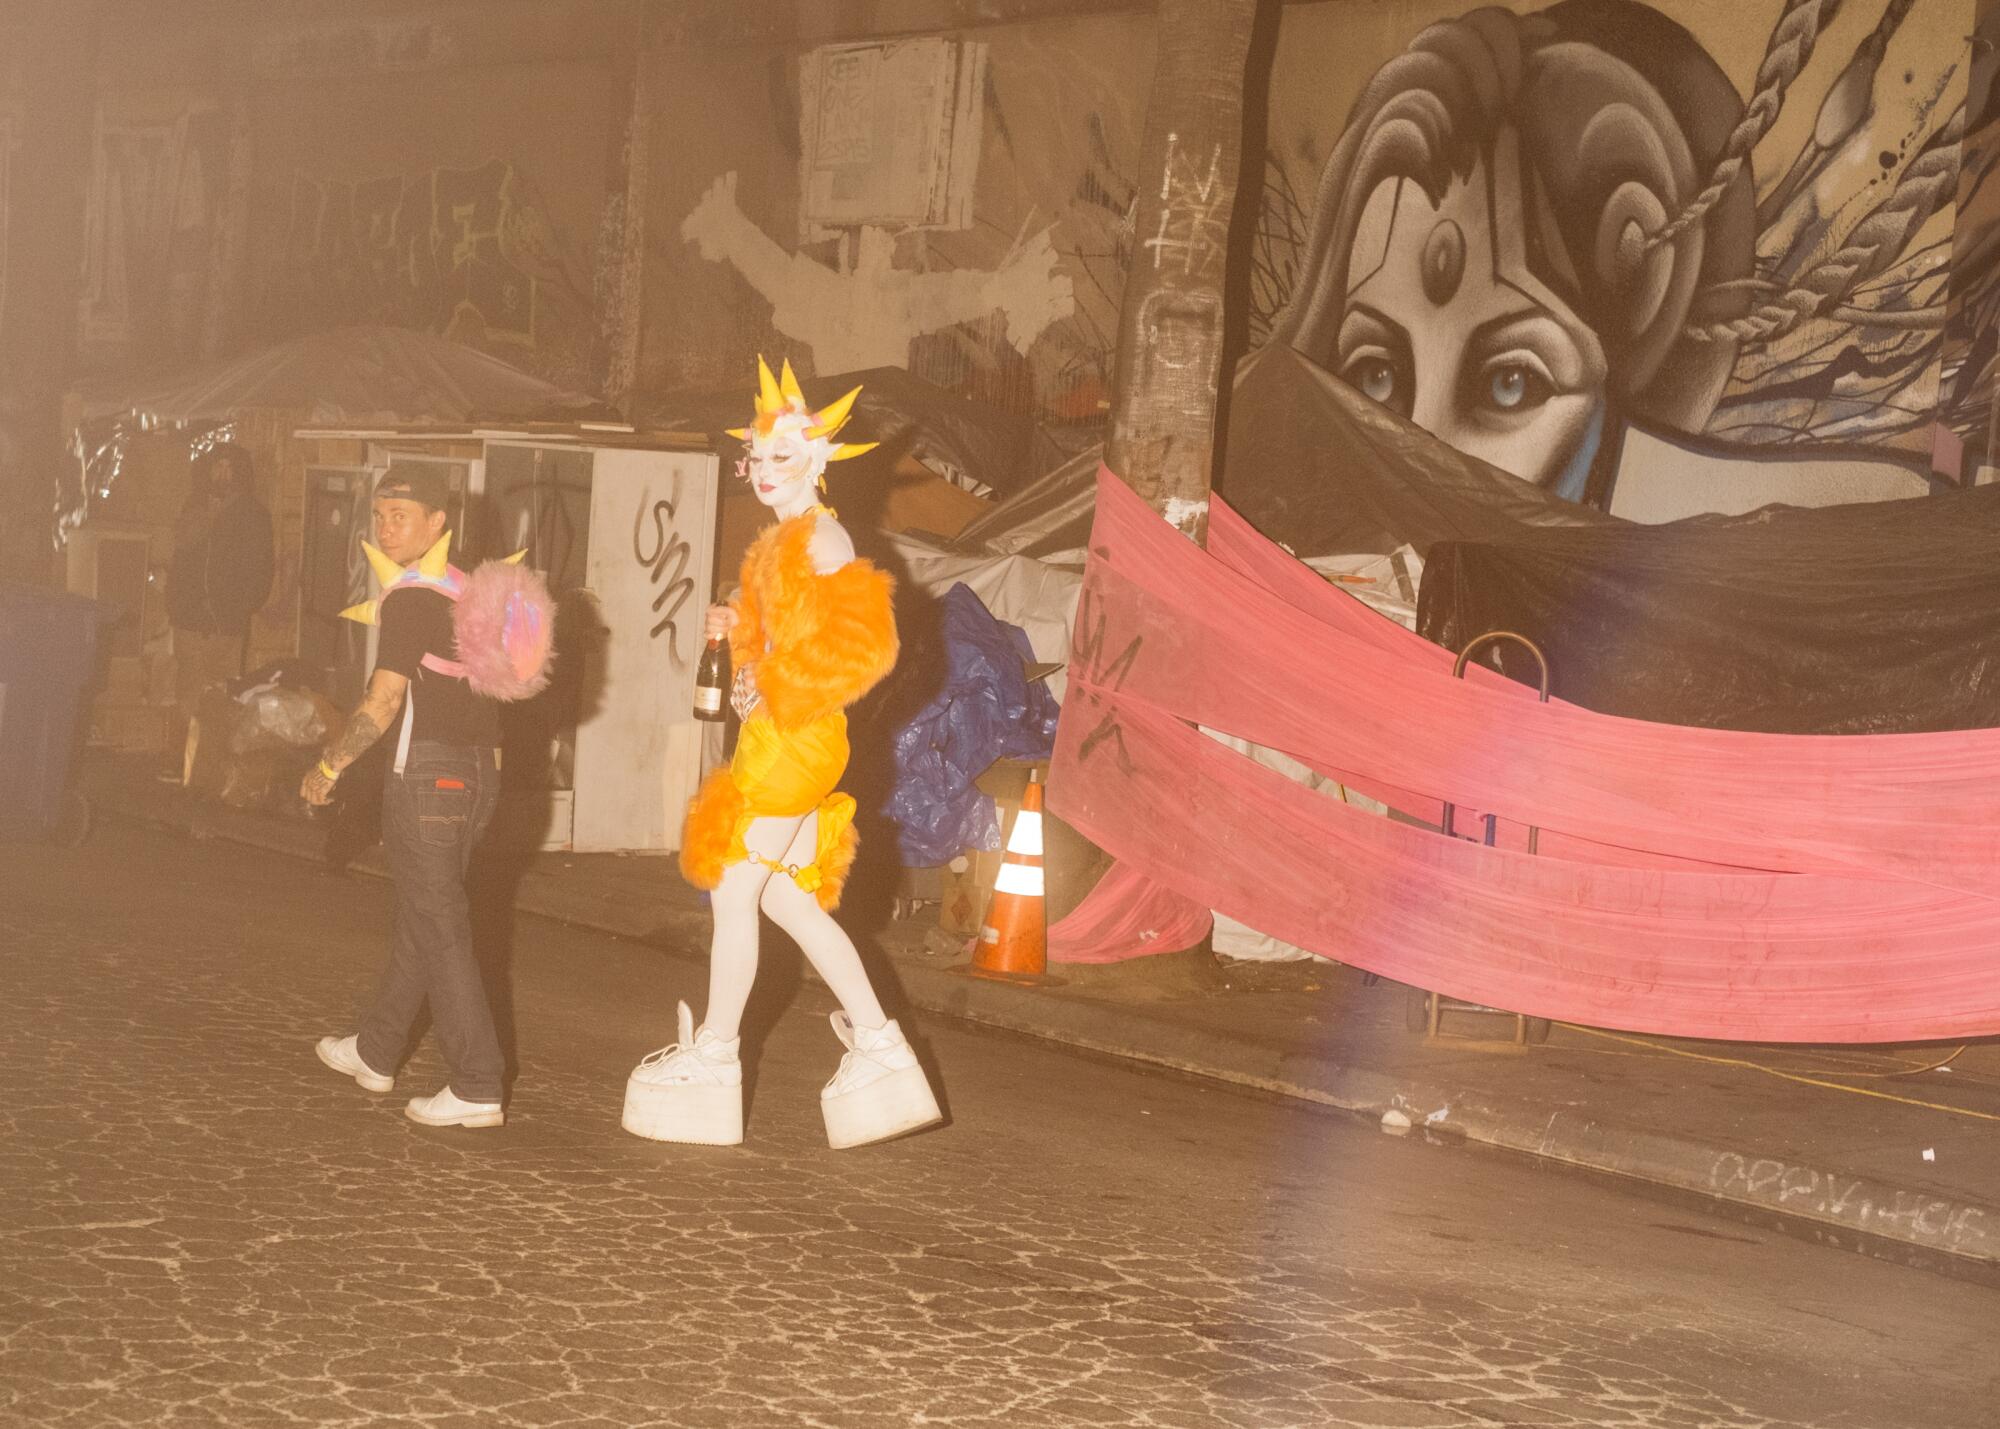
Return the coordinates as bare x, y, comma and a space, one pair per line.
781, 397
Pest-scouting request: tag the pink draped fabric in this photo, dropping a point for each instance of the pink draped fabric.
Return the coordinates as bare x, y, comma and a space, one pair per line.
1127, 915
1696, 882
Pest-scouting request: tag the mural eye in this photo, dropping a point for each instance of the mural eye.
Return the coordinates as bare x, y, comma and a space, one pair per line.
1378, 380
1515, 387
1374, 378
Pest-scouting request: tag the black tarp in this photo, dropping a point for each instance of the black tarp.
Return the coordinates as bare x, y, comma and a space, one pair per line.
1869, 619
1312, 463
1873, 618
989, 446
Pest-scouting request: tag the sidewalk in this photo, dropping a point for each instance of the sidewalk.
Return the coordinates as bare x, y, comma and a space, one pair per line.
1847, 1145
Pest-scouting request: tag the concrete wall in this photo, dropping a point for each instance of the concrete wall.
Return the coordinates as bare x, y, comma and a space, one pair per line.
268, 170
1018, 306
46, 58
466, 201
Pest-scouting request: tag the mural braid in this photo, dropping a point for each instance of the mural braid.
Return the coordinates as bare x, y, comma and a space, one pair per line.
1791, 46
1927, 185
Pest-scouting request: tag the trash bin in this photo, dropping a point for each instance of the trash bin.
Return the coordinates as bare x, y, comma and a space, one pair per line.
48, 654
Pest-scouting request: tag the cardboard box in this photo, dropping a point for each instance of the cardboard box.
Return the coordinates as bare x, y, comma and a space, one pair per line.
967, 884
968, 879
1006, 780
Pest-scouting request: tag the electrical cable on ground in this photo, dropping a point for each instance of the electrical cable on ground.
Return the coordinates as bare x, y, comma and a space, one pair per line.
1789, 1076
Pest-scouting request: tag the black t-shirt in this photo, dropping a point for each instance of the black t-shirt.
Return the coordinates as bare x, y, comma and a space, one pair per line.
416, 623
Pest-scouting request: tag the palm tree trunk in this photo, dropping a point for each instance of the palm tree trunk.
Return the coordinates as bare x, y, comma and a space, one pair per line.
1170, 333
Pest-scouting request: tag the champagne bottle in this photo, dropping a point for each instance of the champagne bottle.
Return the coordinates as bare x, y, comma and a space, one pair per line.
711, 679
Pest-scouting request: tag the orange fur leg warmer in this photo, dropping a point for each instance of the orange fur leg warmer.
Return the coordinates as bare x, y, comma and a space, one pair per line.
713, 824
839, 842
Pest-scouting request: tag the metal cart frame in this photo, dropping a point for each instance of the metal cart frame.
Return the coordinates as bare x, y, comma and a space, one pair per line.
1426, 1010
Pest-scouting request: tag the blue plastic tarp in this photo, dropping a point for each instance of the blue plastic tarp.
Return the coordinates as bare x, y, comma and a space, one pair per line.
987, 710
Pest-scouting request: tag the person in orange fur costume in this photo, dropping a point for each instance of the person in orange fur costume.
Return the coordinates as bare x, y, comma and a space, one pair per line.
809, 642
812, 630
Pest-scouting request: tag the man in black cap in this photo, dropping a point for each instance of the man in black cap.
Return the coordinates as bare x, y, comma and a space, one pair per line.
443, 782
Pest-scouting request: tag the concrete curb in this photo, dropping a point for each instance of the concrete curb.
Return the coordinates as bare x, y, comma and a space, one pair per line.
1836, 1206
1823, 1202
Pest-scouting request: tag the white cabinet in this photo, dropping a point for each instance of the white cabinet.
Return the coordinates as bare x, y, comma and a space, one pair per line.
627, 537
651, 567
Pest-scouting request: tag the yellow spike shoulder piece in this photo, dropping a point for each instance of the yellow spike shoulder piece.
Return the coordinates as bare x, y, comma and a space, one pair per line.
433, 564
387, 572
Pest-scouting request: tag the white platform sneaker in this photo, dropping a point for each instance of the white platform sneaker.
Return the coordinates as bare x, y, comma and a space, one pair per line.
690, 1090
879, 1091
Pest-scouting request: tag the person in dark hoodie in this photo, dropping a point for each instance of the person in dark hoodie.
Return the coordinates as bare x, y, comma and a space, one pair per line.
221, 573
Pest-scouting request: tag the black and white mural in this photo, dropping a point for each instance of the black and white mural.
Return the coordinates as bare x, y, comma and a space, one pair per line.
1660, 258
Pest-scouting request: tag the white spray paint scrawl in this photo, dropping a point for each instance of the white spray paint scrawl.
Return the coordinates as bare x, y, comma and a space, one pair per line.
869, 316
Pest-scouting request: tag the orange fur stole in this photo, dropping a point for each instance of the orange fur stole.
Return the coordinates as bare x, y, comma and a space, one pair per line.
831, 637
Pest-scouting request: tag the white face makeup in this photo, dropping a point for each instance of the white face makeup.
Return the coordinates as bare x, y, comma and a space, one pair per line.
784, 468
1444, 324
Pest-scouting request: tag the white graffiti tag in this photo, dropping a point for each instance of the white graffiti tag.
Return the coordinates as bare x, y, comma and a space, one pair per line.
868, 315
1194, 218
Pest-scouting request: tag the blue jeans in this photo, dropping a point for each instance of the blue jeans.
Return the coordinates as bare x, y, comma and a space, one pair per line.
432, 815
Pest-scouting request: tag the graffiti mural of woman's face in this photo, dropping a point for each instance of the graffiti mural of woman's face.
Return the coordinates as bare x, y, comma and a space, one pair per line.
1444, 324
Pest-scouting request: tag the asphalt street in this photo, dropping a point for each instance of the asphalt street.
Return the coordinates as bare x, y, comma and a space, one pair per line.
201, 1225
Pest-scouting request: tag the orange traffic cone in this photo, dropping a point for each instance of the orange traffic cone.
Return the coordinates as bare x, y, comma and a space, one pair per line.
1014, 943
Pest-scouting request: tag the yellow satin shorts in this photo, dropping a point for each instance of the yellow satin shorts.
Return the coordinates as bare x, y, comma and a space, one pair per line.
786, 775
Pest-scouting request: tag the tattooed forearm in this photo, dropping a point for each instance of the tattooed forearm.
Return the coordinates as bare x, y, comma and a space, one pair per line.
378, 710
367, 724
356, 738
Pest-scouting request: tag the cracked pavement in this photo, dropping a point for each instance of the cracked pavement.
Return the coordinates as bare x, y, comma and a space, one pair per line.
200, 1225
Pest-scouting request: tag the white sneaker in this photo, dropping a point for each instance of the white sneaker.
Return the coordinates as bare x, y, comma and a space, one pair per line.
341, 1054
690, 1090
880, 1091
445, 1109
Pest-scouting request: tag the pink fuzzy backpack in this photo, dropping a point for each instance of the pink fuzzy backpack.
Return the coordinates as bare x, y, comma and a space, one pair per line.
503, 623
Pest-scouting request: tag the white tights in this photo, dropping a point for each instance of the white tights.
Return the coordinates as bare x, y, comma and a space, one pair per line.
748, 886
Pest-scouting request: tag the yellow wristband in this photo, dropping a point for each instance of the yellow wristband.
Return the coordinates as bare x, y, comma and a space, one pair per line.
327, 773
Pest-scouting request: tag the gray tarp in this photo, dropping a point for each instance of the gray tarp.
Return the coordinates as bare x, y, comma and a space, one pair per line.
973, 444
350, 375
1051, 514
354, 376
